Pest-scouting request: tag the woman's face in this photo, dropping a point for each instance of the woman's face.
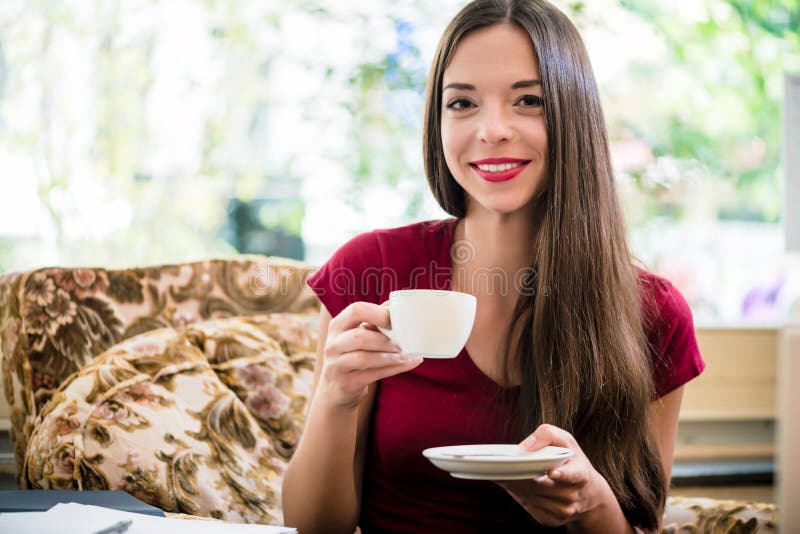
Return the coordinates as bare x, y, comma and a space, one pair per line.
493, 129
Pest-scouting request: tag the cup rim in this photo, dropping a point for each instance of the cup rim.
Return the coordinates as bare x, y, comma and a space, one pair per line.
437, 292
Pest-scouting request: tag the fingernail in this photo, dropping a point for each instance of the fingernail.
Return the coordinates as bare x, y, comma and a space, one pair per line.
403, 357
528, 442
554, 474
396, 347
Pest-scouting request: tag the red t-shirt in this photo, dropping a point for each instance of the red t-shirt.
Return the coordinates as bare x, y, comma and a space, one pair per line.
451, 401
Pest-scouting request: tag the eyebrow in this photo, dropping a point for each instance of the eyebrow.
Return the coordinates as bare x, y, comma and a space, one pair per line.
522, 84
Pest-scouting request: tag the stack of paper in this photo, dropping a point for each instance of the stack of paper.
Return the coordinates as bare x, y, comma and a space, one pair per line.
85, 519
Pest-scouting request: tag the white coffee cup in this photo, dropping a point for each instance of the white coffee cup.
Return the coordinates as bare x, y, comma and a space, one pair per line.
430, 323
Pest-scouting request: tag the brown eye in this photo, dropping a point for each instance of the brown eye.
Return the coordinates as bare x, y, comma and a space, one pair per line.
459, 103
531, 101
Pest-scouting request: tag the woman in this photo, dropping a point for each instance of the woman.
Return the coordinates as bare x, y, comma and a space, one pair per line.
572, 344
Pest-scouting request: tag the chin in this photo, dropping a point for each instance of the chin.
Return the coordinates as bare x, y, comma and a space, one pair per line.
507, 202
503, 208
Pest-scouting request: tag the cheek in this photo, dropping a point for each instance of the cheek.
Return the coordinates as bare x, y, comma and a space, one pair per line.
537, 136
453, 143
447, 139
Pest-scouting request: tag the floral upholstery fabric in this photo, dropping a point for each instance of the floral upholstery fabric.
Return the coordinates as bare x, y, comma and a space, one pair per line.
200, 420
53, 322
694, 515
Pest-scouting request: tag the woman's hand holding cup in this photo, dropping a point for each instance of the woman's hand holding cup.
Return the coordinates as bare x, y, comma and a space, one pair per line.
356, 354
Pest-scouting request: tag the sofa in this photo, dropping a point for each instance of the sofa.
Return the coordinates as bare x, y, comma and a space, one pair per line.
186, 386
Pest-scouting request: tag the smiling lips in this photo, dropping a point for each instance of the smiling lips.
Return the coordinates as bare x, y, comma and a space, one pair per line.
498, 169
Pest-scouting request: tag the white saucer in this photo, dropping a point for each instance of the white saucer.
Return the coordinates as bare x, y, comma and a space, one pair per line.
496, 462
496, 476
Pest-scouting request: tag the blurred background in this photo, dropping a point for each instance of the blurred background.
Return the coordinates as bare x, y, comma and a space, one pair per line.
138, 132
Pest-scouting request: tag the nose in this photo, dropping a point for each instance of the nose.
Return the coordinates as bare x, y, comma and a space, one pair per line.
495, 126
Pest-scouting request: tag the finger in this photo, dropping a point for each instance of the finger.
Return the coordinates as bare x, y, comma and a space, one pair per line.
569, 473
361, 312
541, 485
368, 376
543, 515
359, 339
542, 490
552, 513
372, 327
543, 509
546, 435
360, 360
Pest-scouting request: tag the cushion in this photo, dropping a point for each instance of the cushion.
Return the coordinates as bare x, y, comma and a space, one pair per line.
696, 514
198, 420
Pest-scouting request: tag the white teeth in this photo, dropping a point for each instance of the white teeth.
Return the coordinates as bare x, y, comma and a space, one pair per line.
499, 168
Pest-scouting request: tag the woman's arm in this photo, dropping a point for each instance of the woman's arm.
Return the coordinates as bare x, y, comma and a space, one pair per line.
322, 484
664, 414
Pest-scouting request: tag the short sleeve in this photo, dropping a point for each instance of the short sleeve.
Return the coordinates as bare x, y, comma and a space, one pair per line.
675, 356
347, 276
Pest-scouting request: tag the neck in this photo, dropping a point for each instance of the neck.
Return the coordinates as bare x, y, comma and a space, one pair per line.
498, 250
504, 241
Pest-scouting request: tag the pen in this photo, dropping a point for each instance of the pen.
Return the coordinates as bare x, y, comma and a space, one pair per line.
122, 526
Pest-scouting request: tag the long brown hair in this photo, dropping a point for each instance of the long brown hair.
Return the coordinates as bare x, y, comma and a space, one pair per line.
581, 348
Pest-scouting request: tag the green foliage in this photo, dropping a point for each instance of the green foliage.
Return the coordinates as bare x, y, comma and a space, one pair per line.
776, 17
720, 96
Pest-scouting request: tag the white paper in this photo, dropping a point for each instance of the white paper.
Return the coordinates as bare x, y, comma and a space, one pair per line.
73, 518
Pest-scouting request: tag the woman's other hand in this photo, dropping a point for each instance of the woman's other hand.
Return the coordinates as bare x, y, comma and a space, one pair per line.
567, 493
357, 354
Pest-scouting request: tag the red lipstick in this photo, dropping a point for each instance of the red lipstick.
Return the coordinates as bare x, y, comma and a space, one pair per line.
495, 174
